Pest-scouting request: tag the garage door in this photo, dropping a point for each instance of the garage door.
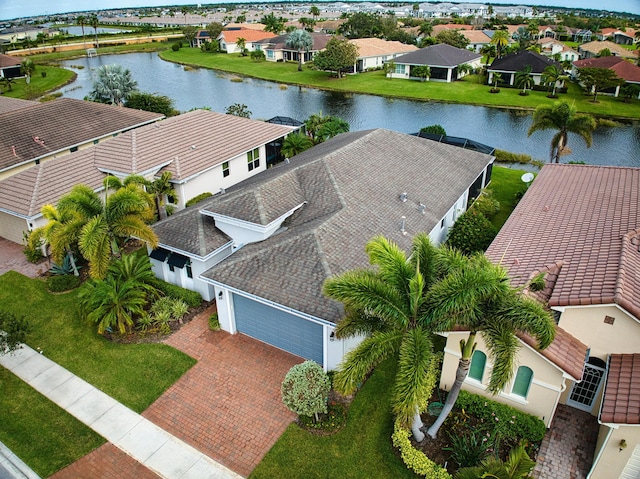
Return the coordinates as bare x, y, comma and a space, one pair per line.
632, 469
278, 328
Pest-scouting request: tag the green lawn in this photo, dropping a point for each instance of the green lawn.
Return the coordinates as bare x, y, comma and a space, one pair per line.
471, 90
361, 450
55, 78
134, 374
39, 432
505, 183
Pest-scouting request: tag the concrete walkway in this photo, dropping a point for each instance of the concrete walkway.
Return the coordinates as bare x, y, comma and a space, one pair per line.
147, 443
12, 467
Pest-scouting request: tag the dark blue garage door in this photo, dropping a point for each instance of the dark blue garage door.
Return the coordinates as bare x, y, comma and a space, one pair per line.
278, 328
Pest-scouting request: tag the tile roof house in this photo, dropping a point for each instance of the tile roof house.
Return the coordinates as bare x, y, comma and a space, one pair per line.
228, 38
477, 39
276, 50
579, 227
373, 52
551, 47
10, 67
629, 72
263, 248
205, 151
42, 131
593, 49
10, 104
626, 36
444, 61
512, 63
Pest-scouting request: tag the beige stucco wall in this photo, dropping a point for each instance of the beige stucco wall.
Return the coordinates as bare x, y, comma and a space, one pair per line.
609, 460
546, 386
12, 227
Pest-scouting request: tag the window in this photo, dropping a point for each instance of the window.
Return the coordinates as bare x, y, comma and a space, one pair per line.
225, 169
253, 159
442, 223
476, 370
187, 268
523, 381
270, 54
400, 69
73, 149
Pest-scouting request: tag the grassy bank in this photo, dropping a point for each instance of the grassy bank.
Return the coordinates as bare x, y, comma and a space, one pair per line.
46, 58
54, 78
471, 90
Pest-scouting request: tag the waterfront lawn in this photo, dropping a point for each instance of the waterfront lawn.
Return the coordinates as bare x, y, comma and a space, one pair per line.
505, 184
362, 449
471, 90
134, 374
55, 78
44, 436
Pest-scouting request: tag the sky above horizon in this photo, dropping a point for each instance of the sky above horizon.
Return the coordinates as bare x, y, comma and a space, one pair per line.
10, 9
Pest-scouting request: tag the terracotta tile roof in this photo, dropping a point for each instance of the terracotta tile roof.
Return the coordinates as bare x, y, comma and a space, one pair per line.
566, 351
11, 104
42, 129
624, 69
250, 35
596, 47
585, 218
514, 62
320, 41
188, 144
621, 402
9, 61
441, 54
449, 26
351, 185
371, 47
25, 193
476, 36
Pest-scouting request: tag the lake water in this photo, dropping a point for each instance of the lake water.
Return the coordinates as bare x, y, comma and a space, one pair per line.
503, 129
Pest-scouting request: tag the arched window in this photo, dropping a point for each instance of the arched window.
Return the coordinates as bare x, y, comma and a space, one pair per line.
478, 361
522, 382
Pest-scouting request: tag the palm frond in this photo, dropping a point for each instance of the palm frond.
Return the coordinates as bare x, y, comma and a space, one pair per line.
423, 258
95, 246
132, 225
358, 322
530, 316
503, 345
393, 267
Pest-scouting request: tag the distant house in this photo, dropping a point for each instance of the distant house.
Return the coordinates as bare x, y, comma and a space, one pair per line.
276, 50
550, 47
228, 38
10, 67
629, 72
451, 27
593, 49
513, 63
373, 52
263, 248
620, 37
202, 37
477, 39
444, 61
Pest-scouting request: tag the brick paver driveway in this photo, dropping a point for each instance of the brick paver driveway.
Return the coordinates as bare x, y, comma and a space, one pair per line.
228, 405
12, 258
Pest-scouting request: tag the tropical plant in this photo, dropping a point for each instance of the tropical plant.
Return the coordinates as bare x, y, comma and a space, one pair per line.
135, 268
113, 84
489, 52
94, 22
421, 71
162, 104
161, 188
551, 75
28, 68
564, 118
305, 389
434, 130
14, 330
238, 109
476, 295
425, 29
497, 78
524, 80
257, 55
272, 23
295, 144
112, 304
517, 466
630, 91
523, 36
241, 43
8, 82
388, 306
597, 79
82, 21
322, 127
65, 268
338, 55
500, 39
470, 446
314, 11
389, 68
471, 233
301, 41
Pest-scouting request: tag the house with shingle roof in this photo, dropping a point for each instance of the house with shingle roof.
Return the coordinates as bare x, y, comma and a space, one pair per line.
578, 227
509, 65
629, 72
204, 151
373, 52
443, 59
264, 247
276, 50
10, 67
39, 132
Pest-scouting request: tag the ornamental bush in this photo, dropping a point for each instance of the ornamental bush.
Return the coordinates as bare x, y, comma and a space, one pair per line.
198, 199
486, 204
472, 232
414, 459
192, 298
305, 389
60, 283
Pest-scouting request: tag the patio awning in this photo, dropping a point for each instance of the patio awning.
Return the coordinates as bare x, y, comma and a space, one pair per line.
159, 254
177, 260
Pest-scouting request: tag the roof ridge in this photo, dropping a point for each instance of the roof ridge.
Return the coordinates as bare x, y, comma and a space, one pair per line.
36, 187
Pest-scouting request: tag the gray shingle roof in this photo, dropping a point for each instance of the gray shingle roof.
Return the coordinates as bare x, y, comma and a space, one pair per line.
515, 62
351, 185
442, 55
61, 124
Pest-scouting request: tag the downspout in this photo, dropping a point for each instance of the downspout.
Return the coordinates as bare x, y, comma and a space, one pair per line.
606, 441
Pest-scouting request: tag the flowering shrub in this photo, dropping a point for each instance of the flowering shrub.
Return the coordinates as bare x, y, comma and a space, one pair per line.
414, 459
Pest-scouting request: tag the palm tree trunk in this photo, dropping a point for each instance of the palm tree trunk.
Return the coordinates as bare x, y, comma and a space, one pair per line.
467, 347
416, 427
299, 60
73, 263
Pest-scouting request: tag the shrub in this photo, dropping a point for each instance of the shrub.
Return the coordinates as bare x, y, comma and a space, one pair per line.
62, 269
175, 47
192, 298
305, 389
509, 157
416, 460
198, 199
170, 209
44, 74
486, 204
31, 249
507, 422
434, 130
471, 447
257, 56
14, 331
472, 232
214, 322
60, 283
538, 282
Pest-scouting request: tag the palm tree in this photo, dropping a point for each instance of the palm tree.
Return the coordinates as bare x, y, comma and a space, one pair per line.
388, 305
161, 188
125, 213
113, 85
523, 37
135, 268
272, 23
500, 39
551, 75
476, 295
524, 79
94, 22
294, 144
517, 466
425, 29
489, 51
28, 68
422, 71
81, 20
314, 12
241, 43
497, 78
564, 118
112, 304
299, 40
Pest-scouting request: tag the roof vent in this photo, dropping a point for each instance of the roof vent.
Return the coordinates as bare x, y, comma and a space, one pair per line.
286, 160
403, 197
222, 191
193, 147
423, 208
402, 229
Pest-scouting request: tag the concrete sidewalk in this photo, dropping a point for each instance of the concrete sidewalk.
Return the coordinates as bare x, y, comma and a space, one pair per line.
149, 444
12, 467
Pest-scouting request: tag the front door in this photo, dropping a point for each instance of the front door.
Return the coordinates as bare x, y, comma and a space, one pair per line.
584, 393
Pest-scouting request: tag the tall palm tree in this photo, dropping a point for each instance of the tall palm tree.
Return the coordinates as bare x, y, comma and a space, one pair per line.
475, 294
564, 118
497, 78
161, 188
551, 75
388, 305
489, 51
301, 41
81, 20
314, 12
125, 213
113, 84
28, 68
94, 22
294, 144
500, 39
524, 79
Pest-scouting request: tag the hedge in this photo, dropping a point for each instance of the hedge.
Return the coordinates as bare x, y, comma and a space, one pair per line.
198, 199
192, 298
416, 460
